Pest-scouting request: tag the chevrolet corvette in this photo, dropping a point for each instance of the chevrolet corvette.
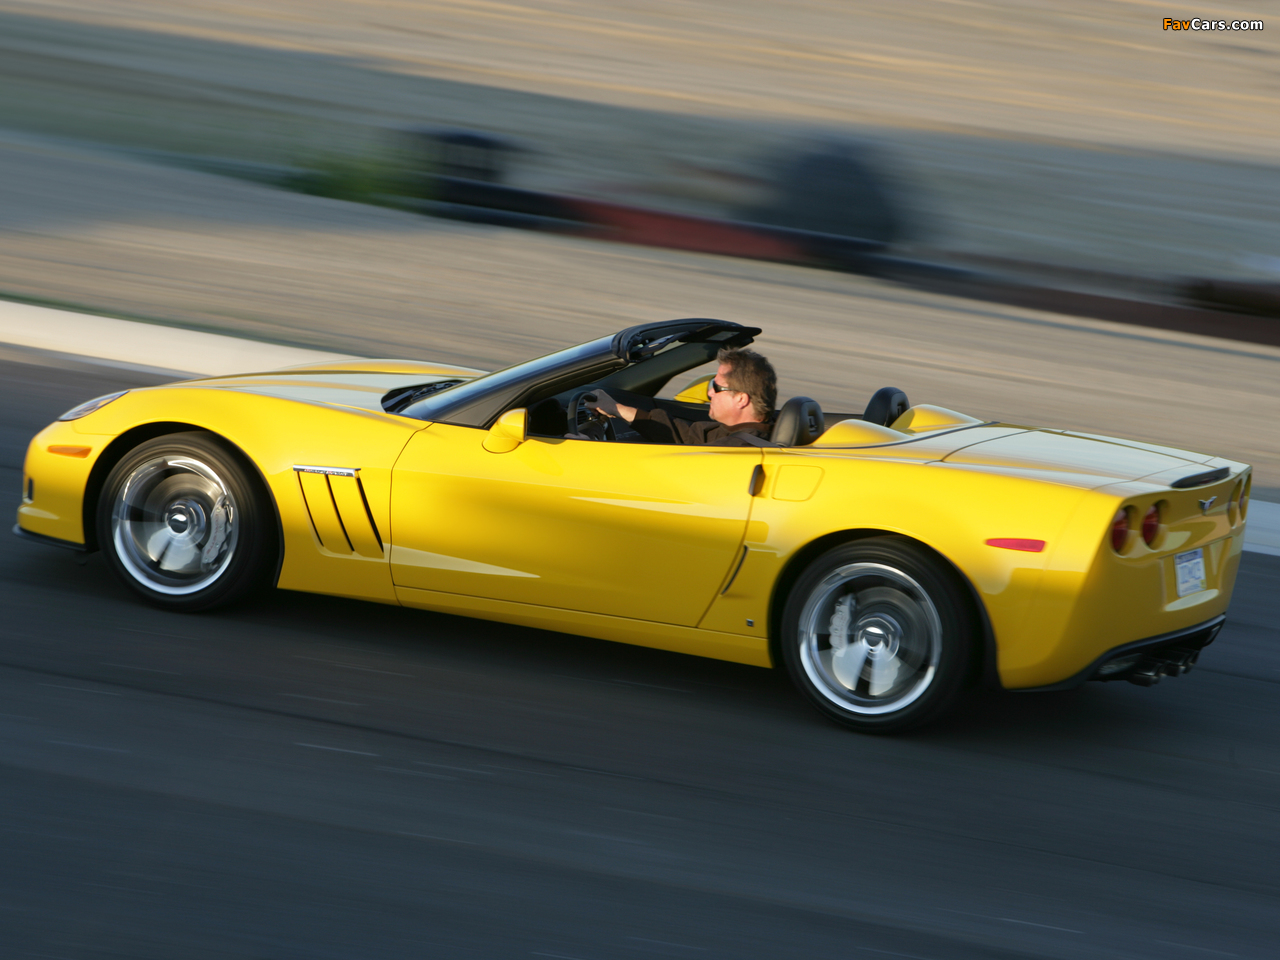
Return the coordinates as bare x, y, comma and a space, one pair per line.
887, 559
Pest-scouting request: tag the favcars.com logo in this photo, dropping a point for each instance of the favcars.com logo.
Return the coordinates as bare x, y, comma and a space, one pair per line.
1198, 24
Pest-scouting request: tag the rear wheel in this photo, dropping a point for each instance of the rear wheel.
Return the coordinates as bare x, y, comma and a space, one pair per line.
878, 636
182, 522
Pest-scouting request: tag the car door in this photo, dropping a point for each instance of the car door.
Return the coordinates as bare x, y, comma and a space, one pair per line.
632, 530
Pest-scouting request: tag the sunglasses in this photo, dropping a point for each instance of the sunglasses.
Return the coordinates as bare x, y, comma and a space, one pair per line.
713, 387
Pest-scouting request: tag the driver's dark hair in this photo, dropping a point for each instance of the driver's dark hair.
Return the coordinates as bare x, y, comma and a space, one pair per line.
753, 375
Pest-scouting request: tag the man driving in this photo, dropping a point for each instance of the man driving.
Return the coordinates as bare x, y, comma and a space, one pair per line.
741, 396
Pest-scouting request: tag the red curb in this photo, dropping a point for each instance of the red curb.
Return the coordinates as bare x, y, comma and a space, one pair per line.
622, 223
654, 228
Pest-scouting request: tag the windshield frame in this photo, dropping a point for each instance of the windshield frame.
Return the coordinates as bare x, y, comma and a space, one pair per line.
479, 402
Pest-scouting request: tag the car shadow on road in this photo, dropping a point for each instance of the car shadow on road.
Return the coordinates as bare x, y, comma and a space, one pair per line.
252, 644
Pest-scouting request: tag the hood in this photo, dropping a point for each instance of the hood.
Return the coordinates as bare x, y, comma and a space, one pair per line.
348, 383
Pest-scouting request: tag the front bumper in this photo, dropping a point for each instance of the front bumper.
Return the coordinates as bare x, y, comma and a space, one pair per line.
49, 541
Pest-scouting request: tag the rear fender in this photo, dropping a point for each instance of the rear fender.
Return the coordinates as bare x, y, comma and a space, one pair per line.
984, 668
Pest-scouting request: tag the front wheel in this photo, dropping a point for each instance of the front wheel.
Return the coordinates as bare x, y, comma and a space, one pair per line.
878, 636
182, 522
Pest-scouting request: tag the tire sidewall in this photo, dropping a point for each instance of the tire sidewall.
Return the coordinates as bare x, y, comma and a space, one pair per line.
958, 631
248, 569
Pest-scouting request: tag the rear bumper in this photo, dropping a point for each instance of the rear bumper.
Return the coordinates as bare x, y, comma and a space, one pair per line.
1145, 662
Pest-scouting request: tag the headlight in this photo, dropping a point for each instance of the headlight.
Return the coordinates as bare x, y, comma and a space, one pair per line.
86, 408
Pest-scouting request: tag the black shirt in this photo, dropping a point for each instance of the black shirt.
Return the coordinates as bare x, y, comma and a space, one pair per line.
658, 426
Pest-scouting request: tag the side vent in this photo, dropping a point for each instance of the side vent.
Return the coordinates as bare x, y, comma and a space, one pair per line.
339, 509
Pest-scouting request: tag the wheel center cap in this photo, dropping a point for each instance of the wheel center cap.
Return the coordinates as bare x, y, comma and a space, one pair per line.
186, 519
880, 635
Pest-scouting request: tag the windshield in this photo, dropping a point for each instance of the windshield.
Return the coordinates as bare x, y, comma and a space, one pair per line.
477, 401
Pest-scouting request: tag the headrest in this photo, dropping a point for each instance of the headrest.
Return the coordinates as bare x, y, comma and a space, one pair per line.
799, 423
886, 405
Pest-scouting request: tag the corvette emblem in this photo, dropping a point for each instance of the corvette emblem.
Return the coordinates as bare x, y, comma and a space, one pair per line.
1206, 504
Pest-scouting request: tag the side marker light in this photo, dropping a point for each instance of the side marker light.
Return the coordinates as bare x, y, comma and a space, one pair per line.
64, 451
1014, 543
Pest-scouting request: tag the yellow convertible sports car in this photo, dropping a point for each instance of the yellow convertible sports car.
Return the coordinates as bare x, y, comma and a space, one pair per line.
888, 560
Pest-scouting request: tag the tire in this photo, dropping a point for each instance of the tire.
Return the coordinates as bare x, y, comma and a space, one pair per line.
182, 522
879, 636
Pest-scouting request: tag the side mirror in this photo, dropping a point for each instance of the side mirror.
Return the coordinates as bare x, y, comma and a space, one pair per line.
509, 432
696, 392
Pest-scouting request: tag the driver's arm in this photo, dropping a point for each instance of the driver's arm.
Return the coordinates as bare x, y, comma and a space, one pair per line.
610, 407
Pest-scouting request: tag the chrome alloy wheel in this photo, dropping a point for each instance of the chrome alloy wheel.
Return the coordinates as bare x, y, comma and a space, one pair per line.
870, 639
173, 525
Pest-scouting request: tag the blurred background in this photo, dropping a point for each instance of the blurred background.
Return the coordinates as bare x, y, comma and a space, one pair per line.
1084, 135
275, 170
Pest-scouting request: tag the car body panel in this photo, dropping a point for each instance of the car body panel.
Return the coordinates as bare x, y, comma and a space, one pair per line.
1052, 450
683, 548
902, 445
58, 482
275, 434
697, 641
396, 368
1052, 613
910, 498
571, 524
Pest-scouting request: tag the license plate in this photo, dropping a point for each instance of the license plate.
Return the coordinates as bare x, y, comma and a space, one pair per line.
1189, 569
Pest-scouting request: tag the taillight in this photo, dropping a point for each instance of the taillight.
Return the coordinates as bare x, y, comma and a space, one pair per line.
1120, 530
1151, 525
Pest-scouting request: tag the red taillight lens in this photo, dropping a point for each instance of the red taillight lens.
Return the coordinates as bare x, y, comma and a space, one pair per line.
1151, 525
1120, 530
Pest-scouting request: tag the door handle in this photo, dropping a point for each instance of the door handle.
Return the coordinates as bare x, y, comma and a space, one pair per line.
756, 484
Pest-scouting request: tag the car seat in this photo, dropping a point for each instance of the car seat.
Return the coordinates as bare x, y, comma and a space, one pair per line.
798, 423
885, 406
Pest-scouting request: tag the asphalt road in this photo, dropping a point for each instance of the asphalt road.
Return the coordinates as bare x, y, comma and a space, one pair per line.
317, 778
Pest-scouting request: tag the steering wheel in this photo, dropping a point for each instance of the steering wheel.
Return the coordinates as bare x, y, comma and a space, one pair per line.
583, 421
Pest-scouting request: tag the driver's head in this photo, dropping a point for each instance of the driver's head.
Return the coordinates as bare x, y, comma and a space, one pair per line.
752, 387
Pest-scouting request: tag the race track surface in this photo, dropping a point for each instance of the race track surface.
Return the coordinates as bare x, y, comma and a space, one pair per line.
317, 778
